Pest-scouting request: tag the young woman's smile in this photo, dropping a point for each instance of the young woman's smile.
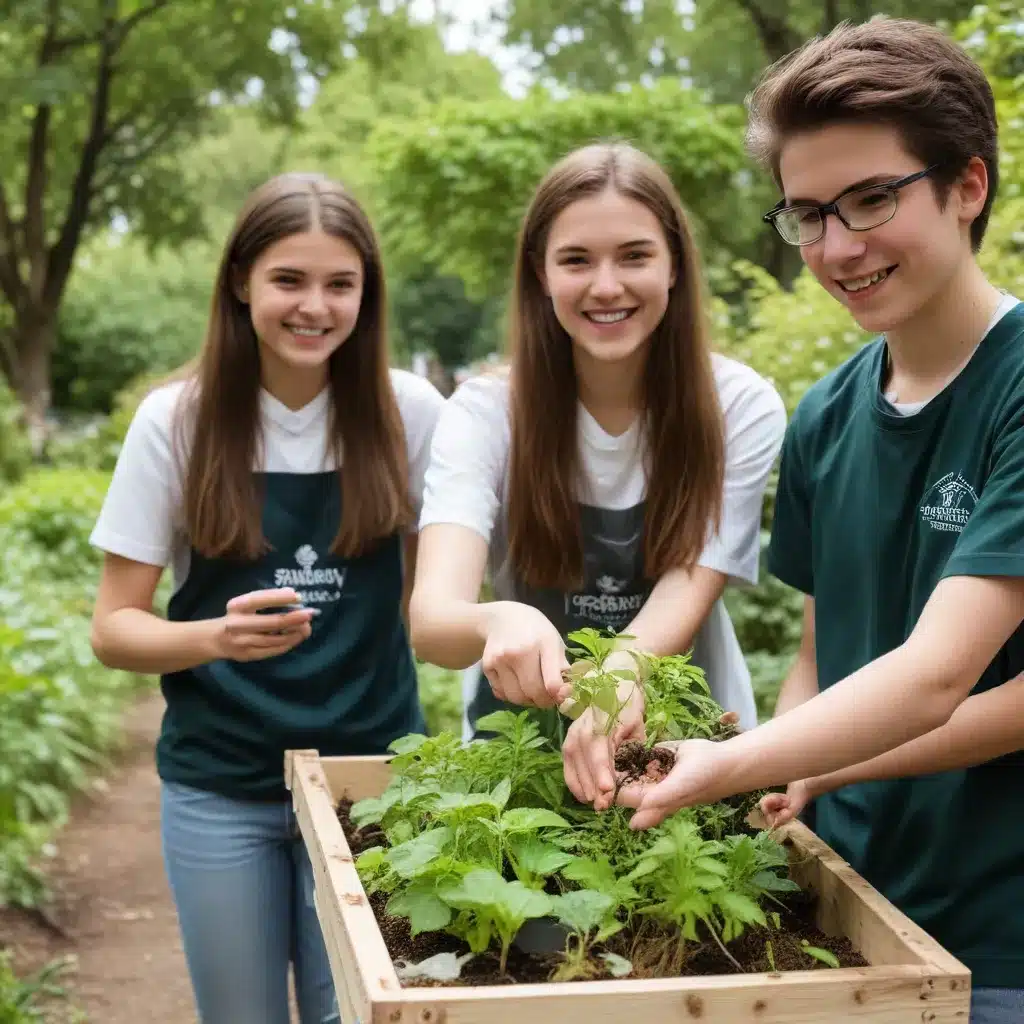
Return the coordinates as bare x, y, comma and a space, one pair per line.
608, 270
304, 295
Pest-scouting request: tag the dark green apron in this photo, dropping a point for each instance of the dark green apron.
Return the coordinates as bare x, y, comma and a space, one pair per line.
350, 688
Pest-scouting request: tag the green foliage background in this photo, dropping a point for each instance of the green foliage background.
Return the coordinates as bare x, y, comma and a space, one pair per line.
445, 162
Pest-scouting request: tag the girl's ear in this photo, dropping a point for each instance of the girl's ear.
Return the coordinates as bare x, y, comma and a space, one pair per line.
537, 263
240, 286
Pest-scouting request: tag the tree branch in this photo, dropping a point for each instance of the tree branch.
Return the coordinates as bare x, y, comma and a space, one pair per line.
10, 280
77, 214
829, 16
125, 27
36, 177
777, 35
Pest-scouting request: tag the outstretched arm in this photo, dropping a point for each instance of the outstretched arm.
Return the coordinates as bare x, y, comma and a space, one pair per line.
895, 699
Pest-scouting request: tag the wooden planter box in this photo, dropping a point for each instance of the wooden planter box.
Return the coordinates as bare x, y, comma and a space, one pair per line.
912, 978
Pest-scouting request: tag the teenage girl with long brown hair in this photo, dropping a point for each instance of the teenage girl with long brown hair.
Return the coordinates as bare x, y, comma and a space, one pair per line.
280, 480
614, 480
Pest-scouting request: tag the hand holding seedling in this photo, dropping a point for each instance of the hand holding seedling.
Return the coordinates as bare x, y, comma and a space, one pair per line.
700, 776
524, 657
781, 808
590, 745
261, 624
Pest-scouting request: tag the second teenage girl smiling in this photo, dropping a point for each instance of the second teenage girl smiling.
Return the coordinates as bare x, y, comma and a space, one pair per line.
615, 480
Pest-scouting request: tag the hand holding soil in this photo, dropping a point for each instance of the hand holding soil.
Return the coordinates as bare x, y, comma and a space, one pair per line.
696, 777
261, 624
524, 657
590, 749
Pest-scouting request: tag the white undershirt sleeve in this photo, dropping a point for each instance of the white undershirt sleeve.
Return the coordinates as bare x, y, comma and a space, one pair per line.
465, 478
138, 515
755, 422
420, 405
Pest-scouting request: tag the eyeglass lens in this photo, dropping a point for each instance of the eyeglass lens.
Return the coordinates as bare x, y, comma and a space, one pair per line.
860, 210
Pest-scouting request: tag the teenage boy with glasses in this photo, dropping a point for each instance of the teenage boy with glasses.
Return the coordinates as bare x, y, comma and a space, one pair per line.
900, 509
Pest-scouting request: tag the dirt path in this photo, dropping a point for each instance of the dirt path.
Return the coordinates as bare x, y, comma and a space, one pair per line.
113, 901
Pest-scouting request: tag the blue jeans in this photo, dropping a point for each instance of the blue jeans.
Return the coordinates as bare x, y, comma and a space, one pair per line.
997, 1006
243, 887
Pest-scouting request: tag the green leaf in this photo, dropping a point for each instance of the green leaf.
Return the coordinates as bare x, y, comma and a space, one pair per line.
583, 910
823, 955
425, 911
410, 858
528, 819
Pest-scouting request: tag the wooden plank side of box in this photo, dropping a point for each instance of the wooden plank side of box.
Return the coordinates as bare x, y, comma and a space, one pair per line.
876, 995
360, 962
912, 978
848, 905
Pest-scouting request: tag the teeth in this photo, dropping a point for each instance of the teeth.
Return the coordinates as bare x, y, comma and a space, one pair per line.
308, 332
863, 282
610, 318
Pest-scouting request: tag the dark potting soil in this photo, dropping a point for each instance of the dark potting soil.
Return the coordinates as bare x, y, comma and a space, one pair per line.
651, 949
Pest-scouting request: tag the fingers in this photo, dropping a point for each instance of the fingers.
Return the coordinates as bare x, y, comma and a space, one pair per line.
256, 599
574, 767
552, 662
266, 624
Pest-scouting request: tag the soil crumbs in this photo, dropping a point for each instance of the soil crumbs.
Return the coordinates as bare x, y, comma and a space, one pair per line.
797, 914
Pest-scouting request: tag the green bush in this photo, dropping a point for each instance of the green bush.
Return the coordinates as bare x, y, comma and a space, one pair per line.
99, 443
441, 696
15, 453
128, 313
59, 708
50, 514
24, 1000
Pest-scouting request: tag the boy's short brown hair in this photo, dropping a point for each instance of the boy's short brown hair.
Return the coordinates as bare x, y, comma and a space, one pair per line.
887, 70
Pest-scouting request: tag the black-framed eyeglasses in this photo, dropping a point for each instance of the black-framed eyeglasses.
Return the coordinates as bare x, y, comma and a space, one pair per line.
860, 209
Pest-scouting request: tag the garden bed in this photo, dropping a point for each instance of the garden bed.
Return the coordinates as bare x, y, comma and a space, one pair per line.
465, 883
910, 978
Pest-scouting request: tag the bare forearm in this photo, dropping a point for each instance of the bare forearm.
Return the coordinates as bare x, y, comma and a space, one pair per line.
982, 728
799, 686
139, 641
450, 633
874, 710
677, 607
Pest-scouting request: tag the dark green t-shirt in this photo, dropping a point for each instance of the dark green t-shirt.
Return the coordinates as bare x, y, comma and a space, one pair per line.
873, 509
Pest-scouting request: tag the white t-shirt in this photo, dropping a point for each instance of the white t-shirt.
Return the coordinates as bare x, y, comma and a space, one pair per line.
466, 484
142, 516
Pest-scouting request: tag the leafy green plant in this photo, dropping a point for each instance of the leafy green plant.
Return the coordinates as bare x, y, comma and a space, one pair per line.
51, 514
474, 844
23, 1000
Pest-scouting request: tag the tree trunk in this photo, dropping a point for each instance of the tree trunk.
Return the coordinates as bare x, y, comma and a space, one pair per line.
34, 337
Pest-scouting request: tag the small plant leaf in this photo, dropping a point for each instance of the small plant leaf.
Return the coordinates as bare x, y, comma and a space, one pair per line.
409, 859
822, 955
426, 913
528, 819
582, 910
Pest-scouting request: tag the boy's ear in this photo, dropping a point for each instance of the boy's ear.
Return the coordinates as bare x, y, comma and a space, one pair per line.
972, 189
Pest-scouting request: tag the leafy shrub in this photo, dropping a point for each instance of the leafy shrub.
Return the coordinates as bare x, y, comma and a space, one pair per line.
15, 453
22, 1000
59, 708
51, 513
441, 697
97, 445
127, 313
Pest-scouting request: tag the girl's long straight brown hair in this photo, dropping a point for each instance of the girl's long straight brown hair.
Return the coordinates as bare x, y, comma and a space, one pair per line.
683, 431
218, 422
